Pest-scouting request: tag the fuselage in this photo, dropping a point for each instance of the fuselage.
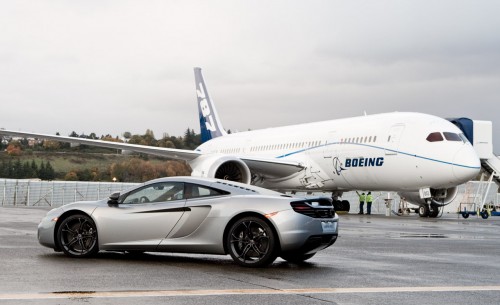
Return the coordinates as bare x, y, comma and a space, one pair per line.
390, 151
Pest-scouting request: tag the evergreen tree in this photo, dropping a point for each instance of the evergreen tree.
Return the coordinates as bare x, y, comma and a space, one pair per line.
10, 169
27, 171
41, 171
34, 168
50, 174
18, 170
191, 139
4, 170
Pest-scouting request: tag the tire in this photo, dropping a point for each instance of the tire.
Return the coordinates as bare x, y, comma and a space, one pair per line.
465, 215
77, 236
484, 215
434, 211
346, 205
423, 210
251, 242
296, 258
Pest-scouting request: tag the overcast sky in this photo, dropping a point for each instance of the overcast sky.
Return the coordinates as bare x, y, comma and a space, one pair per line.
114, 66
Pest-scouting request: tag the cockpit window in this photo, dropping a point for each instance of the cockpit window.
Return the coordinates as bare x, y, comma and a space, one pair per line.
464, 138
450, 136
434, 137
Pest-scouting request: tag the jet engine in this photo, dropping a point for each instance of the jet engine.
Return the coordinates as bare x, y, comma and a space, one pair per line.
221, 167
430, 206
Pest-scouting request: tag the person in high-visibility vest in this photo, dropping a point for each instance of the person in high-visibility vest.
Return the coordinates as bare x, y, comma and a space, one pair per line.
369, 200
362, 198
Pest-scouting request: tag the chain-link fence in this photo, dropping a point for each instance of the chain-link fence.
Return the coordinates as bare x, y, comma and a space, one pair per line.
55, 193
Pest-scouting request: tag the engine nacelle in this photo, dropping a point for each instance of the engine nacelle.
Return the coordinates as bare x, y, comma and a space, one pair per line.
221, 167
439, 197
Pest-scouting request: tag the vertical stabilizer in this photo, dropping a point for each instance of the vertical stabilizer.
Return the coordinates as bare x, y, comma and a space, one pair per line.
210, 124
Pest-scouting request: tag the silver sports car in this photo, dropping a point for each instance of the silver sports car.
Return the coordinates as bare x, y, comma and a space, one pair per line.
195, 215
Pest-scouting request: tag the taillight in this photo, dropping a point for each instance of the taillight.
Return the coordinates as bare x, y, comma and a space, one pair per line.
316, 208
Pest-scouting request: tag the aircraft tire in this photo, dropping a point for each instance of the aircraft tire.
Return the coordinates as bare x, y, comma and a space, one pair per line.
433, 211
465, 215
423, 210
346, 205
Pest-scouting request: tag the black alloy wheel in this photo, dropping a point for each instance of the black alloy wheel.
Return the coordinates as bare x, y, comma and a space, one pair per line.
251, 242
77, 236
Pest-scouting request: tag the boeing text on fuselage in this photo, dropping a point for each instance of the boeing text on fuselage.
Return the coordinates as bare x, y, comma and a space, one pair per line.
364, 162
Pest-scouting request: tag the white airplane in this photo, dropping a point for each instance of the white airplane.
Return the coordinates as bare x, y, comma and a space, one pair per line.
423, 157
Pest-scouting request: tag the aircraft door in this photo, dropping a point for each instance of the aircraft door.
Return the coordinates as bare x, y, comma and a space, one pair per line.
330, 148
331, 163
393, 139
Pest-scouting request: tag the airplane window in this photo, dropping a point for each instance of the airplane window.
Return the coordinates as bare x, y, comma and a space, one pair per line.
375, 139
450, 136
434, 137
366, 139
370, 139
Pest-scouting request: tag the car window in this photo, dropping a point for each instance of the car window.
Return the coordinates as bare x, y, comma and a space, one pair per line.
197, 191
158, 192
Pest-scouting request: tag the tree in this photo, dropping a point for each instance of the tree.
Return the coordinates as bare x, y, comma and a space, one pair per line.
71, 176
18, 170
51, 145
127, 135
14, 149
49, 171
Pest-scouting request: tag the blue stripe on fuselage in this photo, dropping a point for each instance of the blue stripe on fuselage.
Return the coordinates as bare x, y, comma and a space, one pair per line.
381, 148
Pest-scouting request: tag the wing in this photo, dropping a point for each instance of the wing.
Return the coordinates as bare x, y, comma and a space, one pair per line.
178, 154
268, 167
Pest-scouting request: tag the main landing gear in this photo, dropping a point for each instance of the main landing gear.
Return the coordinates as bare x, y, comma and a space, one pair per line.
340, 205
428, 210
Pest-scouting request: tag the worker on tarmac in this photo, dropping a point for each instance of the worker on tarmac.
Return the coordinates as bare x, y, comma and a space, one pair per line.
362, 198
369, 200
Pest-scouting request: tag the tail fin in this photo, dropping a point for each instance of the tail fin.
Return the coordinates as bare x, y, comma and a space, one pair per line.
210, 124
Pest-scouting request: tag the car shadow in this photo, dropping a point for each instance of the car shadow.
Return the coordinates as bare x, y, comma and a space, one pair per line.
179, 260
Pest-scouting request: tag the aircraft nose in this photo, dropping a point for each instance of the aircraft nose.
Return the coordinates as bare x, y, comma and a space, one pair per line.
466, 164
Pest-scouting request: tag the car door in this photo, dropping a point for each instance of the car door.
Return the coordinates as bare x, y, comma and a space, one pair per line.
141, 218
194, 232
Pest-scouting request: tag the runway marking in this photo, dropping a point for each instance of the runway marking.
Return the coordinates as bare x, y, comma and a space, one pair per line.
222, 292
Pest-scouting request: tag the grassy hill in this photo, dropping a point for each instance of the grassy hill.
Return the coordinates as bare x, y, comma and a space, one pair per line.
64, 162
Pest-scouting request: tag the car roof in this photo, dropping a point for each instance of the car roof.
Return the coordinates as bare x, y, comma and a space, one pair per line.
226, 185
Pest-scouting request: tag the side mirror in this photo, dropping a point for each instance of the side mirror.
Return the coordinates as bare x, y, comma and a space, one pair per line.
113, 198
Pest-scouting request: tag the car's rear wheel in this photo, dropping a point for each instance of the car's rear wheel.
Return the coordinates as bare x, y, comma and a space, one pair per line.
252, 242
77, 236
296, 258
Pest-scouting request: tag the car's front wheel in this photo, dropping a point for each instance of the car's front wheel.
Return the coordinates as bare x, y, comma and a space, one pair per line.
77, 236
252, 242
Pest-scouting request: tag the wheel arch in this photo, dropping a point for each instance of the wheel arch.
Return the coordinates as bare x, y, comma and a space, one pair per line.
247, 214
61, 218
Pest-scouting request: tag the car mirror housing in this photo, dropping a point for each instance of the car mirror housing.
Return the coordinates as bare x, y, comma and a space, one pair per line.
113, 198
